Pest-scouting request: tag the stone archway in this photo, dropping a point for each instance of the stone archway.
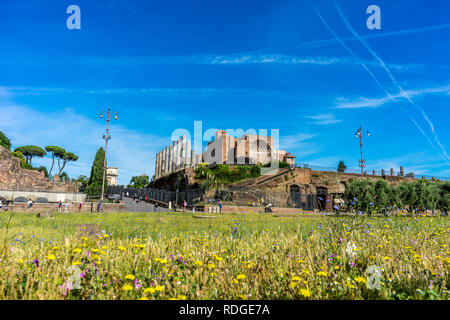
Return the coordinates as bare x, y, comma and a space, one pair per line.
322, 197
21, 200
41, 200
295, 195
3, 200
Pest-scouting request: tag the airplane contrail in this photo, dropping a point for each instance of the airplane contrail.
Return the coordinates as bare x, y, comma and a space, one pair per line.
332, 40
394, 80
378, 82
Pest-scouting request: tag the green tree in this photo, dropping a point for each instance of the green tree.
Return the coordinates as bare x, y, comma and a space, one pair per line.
64, 176
4, 141
341, 166
139, 182
56, 152
385, 197
31, 152
359, 195
94, 187
444, 201
67, 157
420, 195
82, 182
43, 169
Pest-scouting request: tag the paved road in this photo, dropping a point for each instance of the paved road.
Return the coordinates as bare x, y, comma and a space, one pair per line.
129, 205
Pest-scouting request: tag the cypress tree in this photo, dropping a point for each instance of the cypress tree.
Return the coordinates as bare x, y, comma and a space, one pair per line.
94, 188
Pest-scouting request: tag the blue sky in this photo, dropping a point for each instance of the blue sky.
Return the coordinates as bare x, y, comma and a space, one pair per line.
311, 69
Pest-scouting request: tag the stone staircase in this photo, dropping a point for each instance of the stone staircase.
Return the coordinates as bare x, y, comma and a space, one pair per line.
249, 183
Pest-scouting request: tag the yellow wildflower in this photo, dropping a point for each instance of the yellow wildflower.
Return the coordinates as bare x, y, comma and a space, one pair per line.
305, 292
360, 280
150, 290
127, 287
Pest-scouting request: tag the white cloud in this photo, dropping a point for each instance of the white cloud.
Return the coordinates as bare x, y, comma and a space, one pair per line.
324, 119
299, 145
152, 92
131, 151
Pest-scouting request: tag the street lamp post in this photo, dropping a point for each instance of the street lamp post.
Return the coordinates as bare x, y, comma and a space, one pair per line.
107, 137
361, 161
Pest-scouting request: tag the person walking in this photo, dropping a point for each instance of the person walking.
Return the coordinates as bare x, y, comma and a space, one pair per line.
155, 207
80, 206
220, 207
60, 206
30, 205
66, 207
184, 206
99, 207
175, 206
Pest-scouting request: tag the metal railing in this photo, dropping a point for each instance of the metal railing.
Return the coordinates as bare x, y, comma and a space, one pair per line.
380, 173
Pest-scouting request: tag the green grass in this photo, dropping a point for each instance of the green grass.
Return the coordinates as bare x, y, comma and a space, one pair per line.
233, 256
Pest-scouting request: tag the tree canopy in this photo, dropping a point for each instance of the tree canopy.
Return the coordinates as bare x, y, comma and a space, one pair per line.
341, 166
56, 153
67, 157
367, 196
139, 182
31, 152
4, 141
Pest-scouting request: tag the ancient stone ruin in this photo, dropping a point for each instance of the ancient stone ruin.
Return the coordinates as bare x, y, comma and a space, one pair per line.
14, 177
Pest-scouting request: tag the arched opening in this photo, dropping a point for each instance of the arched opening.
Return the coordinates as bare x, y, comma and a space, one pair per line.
4, 201
21, 200
41, 200
322, 197
295, 195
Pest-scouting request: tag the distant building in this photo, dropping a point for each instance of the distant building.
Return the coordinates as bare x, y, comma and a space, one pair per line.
111, 175
224, 149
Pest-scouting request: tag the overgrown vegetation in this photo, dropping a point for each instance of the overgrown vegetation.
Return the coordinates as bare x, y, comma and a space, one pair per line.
222, 173
175, 256
4, 141
418, 196
226, 174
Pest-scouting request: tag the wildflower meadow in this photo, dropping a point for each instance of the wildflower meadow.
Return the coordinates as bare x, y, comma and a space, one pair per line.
166, 256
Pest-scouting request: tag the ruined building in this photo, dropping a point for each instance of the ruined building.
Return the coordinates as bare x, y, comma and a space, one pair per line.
223, 149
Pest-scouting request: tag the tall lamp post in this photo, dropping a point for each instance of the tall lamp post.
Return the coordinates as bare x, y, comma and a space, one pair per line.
361, 161
107, 137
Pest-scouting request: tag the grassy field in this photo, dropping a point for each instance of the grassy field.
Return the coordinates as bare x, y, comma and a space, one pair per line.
248, 256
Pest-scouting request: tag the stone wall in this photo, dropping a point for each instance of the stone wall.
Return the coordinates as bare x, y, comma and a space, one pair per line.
14, 177
252, 210
73, 207
277, 191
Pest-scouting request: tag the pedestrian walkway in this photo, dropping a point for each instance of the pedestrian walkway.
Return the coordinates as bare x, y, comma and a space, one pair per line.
129, 205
